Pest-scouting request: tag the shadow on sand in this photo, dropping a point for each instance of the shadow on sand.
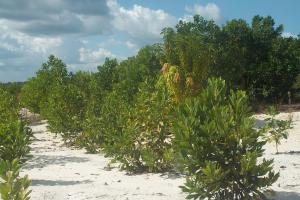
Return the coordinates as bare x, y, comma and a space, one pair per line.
38, 182
259, 123
288, 152
285, 196
171, 175
37, 123
46, 160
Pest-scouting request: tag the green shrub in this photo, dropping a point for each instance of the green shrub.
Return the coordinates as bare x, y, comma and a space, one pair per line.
15, 138
112, 122
147, 140
64, 112
276, 129
8, 107
12, 186
104, 127
220, 146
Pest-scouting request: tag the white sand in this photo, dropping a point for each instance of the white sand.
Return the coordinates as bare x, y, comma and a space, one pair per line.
287, 162
61, 173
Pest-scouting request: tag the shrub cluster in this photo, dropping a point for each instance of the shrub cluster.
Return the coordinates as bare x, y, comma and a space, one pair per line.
15, 137
220, 146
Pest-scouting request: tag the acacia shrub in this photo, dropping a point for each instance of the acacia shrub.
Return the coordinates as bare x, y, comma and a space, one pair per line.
220, 146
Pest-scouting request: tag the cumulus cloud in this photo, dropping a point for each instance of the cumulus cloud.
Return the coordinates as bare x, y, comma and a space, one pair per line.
16, 41
81, 32
130, 45
288, 34
208, 11
55, 17
94, 56
139, 22
21, 54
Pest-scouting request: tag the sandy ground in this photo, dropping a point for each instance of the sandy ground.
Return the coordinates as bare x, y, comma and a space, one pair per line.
58, 172
61, 173
287, 162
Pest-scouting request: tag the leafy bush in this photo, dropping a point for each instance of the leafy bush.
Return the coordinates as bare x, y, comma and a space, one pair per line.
8, 107
112, 122
103, 128
147, 140
220, 146
276, 129
66, 117
15, 136
12, 186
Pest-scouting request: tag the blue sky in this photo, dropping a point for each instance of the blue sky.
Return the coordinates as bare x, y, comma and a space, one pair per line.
84, 32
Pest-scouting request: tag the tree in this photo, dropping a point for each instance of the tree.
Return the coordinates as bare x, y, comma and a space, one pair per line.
234, 53
106, 75
31, 96
191, 47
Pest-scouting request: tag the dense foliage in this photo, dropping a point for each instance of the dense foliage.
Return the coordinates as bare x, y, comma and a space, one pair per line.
220, 146
255, 58
15, 137
13, 88
129, 109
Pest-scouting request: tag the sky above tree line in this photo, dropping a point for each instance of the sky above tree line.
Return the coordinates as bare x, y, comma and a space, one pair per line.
84, 32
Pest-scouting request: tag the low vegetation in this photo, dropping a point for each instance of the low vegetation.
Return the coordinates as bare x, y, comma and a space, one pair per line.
220, 146
12, 186
15, 137
276, 129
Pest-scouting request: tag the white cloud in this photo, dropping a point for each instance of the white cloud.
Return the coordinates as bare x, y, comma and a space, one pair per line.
85, 42
21, 54
109, 42
208, 11
97, 56
288, 34
16, 41
140, 22
57, 17
31, 30
130, 45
